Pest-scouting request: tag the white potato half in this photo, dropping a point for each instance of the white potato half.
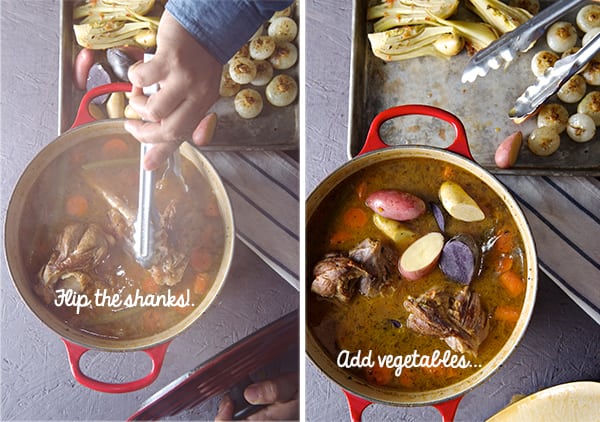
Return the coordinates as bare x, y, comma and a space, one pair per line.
248, 103
282, 90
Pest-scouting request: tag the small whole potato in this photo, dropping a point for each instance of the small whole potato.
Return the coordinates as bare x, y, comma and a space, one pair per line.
395, 204
81, 68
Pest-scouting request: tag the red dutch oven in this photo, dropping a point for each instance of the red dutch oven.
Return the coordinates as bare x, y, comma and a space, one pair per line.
87, 130
359, 393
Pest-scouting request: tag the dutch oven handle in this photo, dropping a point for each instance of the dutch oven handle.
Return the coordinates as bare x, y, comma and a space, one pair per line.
357, 405
374, 142
83, 112
459, 145
75, 352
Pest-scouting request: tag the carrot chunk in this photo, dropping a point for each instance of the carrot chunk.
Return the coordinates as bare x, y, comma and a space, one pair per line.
505, 241
77, 206
200, 285
507, 313
380, 375
355, 218
115, 148
512, 283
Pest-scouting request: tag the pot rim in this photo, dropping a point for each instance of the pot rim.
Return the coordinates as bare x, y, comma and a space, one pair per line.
360, 388
85, 133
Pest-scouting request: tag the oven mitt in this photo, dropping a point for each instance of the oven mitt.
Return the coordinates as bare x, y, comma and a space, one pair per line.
263, 187
564, 215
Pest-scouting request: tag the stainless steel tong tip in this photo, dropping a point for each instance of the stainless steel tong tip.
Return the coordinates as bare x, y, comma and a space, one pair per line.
508, 46
553, 78
143, 236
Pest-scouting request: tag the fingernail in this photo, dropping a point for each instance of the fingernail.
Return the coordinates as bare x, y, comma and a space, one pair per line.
252, 394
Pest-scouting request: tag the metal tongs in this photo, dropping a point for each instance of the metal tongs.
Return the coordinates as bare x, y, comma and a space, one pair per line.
507, 47
551, 81
143, 235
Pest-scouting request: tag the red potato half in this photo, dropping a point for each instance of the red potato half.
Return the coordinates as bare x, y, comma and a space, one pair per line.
508, 151
395, 204
421, 257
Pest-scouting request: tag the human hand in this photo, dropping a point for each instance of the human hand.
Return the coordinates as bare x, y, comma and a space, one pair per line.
188, 76
280, 394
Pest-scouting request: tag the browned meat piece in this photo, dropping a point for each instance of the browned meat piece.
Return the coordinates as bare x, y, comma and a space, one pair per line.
379, 260
171, 252
456, 316
337, 276
172, 245
80, 247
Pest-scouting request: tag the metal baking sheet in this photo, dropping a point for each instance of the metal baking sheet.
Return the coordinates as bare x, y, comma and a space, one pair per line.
276, 128
482, 106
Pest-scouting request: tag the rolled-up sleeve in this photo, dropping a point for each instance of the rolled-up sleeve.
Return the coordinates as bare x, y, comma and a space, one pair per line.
223, 26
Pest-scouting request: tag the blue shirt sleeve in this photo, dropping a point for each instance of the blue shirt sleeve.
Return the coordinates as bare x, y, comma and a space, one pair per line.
223, 26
